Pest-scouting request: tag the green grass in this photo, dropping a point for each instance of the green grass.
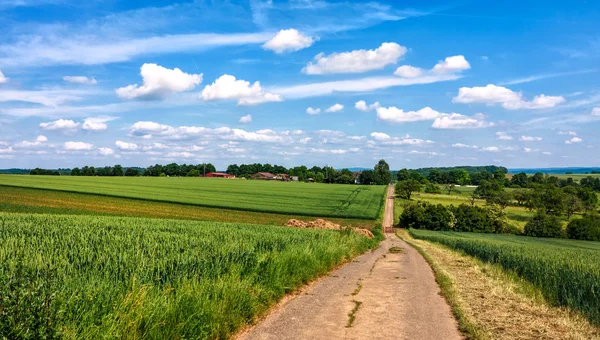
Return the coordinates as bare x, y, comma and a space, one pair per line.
566, 271
26, 200
95, 277
308, 199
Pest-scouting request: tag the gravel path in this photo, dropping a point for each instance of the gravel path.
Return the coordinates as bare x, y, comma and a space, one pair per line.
393, 295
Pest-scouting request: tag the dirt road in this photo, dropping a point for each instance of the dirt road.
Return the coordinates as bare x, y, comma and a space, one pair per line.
389, 293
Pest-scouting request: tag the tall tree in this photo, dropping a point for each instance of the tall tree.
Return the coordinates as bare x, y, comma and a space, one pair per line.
383, 176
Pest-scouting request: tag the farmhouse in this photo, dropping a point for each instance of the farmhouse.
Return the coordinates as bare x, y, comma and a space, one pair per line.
219, 175
267, 176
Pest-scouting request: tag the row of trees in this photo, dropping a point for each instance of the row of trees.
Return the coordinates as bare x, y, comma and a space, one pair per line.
454, 176
116, 170
522, 180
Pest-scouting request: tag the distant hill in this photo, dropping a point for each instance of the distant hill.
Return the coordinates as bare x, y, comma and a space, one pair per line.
555, 171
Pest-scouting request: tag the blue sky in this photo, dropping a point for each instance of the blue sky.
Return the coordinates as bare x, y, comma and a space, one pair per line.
419, 83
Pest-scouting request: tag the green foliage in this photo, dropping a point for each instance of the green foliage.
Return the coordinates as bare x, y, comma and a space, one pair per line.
427, 216
44, 172
193, 173
106, 277
567, 272
131, 172
405, 188
543, 225
309, 199
488, 189
383, 176
367, 177
586, 228
520, 180
476, 219
432, 188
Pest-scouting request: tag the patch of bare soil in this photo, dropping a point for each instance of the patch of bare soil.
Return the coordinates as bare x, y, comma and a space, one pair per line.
324, 224
497, 302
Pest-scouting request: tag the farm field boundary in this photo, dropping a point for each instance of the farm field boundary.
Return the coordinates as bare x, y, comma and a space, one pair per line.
565, 271
318, 200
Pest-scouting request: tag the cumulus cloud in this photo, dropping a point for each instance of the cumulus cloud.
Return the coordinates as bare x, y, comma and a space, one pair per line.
80, 80
105, 151
159, 82
78, 146
227, 87
3, 79
574, 140
461, 145
568, 133
335, 108
96, 123
596, 111
530, 139
380, 136
61, 124
288, 41
450, 65
357, 61
510, 100
386, 139
396, 115
126, 146
503, 136
39, 141
458, 121
361, 105
312, 111
491, 149
246, 119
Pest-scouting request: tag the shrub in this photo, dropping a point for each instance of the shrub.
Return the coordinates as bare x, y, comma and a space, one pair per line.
543, 225
427, 216
474, 219
586, 228
432, 188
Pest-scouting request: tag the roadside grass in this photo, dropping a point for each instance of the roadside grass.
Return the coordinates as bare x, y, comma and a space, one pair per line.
292, 198
121, 277
566, 272
26, 200
492, 303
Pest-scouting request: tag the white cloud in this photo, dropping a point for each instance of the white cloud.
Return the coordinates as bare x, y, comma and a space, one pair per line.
395, 115
568, 133
61, 124
126, 146
596, 111
358, 85
78, 146
105, 151
246, 119
227, 87
39, 141
362, 106
80, 80
183, 154
431, 153
452, 64
159, 82
407, 71
530, 139
492, 94
288, 41
491, 149
461, 145
574, 140
546, 153
356, 61
380, 136
51, 98
96, 123
3, 79
458, 121
335, 108
503, 136
312, 111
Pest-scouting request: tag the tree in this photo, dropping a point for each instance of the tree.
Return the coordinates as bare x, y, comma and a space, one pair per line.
319, 177
522, 196
233, 169
548, 199
450, 187
367, 177
520, 180
405, 188
538, 178
117, 170
435, 176
572, 201
132, 172
542, 225
193, 173
487, 189
383, 176
501, 199
432, 188
75, 172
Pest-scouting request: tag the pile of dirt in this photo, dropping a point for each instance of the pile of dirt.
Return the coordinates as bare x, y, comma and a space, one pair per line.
324, 224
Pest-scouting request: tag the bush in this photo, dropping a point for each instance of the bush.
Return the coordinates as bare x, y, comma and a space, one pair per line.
586, 228
432, 188
427, 216
474, 219
542, 225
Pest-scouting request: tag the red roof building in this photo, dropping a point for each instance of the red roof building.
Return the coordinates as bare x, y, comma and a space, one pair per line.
219, 175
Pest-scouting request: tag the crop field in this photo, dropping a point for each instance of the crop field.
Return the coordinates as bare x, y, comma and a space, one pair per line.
308, 199
113, 277
566, 271
26, 200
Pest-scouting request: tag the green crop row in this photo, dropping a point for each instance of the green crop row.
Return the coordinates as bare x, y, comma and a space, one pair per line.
94, 277
567, 272
308, 199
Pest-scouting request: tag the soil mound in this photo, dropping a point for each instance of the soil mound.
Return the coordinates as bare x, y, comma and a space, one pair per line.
324, 224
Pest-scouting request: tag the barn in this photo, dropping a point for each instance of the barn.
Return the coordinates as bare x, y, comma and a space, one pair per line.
219, 175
